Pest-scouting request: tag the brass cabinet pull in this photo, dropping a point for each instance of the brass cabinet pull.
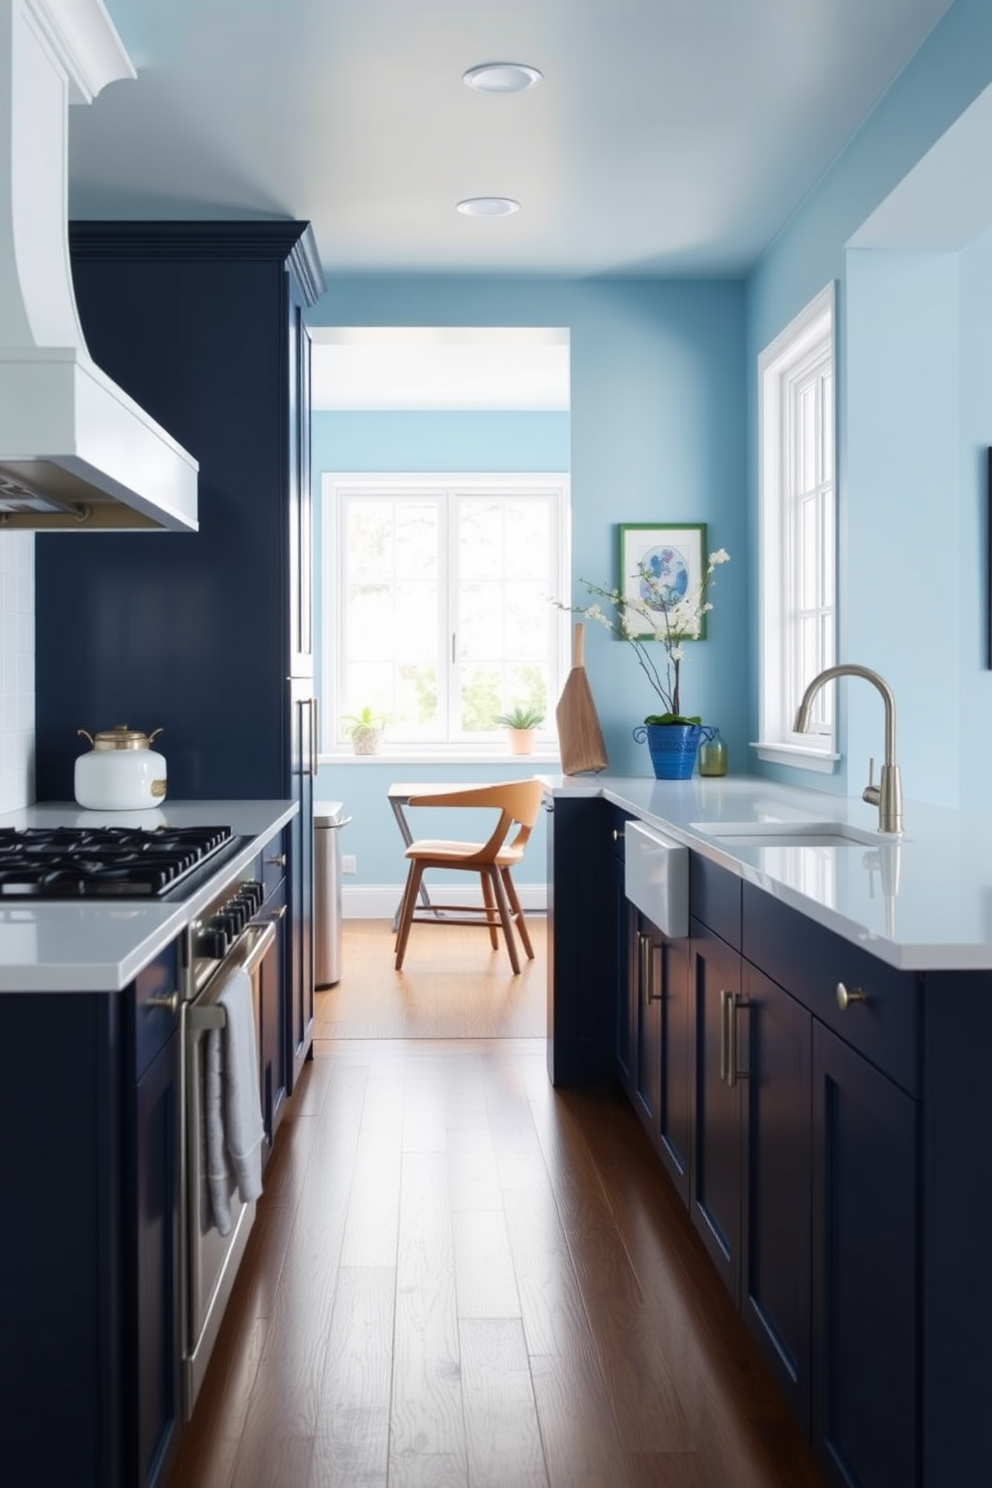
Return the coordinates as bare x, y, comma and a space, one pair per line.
644, 956
725, 1000
168, 1001
277, 914
847, 995
735, 1000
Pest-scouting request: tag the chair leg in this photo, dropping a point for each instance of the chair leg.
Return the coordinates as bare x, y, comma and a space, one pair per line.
407, 907
492, 913
518, 914
504, 914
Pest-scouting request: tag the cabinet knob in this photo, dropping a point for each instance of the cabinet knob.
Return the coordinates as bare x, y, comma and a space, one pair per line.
277, 861
617, 835
847, 995
169, 1002
277, 914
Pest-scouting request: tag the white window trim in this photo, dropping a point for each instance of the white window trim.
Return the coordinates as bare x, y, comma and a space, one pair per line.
778, 741
545, 749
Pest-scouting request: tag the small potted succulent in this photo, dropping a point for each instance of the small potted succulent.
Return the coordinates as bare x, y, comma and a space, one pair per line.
365, 730
520, 722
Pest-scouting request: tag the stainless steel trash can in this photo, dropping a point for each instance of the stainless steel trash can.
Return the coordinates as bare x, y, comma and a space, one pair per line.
328, 819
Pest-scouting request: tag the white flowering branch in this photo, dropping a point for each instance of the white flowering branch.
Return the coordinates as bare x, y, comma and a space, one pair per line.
671, 623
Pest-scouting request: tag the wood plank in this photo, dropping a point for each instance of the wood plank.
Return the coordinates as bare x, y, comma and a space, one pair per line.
485, 1283
427, 1426
352, 1446
504, 1437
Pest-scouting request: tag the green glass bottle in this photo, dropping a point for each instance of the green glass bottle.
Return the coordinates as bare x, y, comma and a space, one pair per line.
713, 754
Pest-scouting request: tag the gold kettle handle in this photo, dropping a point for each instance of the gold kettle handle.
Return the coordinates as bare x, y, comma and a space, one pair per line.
154, 734
87, 735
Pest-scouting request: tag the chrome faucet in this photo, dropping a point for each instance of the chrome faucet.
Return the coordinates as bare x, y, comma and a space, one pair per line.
887, 794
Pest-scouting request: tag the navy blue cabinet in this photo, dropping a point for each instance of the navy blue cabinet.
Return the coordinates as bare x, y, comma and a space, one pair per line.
715, 1164
774, 1035
89, 1296
840, 1175
208, 634
583, 941
271, 1019
155, 1409
866, 1401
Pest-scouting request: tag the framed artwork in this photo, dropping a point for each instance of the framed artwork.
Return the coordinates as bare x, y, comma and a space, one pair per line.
661, 564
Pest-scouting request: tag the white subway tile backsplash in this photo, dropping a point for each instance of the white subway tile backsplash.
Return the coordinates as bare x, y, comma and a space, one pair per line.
17, 635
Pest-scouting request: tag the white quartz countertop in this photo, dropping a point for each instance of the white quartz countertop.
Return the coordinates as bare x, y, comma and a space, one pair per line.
101, 945
922, 902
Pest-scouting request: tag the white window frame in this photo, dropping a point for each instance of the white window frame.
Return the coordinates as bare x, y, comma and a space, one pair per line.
807, 340
554, 484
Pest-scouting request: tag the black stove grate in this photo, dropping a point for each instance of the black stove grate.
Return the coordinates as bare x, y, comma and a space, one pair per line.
103, 862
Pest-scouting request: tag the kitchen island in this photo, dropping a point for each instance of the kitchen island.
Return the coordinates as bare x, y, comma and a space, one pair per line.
94, 1248
808, 1057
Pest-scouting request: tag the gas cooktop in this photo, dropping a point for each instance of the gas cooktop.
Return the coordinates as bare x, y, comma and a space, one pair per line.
108, 862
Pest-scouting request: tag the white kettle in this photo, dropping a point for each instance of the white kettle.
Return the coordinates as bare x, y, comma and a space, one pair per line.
120, 772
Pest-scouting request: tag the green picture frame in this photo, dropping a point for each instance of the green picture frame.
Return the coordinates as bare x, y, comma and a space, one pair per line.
648, 543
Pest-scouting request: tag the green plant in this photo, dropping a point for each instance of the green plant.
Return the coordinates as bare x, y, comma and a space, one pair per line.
367, 718
520, 717
669, 622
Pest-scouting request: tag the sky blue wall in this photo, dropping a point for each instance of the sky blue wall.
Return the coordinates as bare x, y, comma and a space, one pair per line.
657, 434
914, 415
974, 517
460, 441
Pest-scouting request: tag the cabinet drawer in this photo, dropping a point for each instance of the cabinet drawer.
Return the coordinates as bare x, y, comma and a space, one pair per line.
154, 1025
809, 961
715, 898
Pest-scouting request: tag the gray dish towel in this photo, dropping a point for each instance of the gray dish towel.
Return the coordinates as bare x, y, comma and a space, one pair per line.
233, 1106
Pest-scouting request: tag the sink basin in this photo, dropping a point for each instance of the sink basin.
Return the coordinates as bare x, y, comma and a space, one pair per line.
787, 834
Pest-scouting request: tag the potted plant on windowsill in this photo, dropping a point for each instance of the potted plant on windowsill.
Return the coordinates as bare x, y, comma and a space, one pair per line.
520, 723
365, 730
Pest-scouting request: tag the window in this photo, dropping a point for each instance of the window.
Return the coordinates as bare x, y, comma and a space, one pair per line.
437, 606
797, 559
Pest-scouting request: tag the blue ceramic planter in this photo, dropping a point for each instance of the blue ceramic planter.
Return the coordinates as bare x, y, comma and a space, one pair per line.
672, 747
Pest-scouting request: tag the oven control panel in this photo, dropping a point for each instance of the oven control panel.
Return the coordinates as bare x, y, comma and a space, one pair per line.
215, 934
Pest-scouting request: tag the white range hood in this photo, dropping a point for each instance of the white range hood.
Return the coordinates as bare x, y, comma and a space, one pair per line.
75, 451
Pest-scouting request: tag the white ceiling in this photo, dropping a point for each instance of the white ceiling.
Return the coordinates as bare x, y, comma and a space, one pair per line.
668, 137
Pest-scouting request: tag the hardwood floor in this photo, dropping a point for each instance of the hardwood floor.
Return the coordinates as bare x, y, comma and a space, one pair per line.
461, 1278
453, 985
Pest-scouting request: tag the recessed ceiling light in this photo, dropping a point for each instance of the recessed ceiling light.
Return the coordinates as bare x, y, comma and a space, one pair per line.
488, 206
501, 77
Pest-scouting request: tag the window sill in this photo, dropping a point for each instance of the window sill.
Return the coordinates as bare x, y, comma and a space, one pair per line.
443, 756
797, 756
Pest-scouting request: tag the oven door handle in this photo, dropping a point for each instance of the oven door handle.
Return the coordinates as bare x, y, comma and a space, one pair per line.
251, 949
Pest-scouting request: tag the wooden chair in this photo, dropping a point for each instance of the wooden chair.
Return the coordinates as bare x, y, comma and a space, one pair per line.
518, 803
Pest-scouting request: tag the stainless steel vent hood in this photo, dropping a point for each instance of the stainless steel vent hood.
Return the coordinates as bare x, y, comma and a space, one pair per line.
75, 451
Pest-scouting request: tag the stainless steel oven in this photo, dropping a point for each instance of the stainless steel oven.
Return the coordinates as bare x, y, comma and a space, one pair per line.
225, 937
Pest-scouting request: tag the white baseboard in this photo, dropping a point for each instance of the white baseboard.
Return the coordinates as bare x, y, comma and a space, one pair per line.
380, 901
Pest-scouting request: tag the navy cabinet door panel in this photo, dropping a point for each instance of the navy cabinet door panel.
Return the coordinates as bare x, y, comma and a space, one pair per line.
646, 972
775, 1233
865, 1366
157, 1344
582, 943
673, 1126
715, 1185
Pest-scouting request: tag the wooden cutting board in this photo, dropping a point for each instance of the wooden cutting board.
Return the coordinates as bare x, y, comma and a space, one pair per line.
580, 738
